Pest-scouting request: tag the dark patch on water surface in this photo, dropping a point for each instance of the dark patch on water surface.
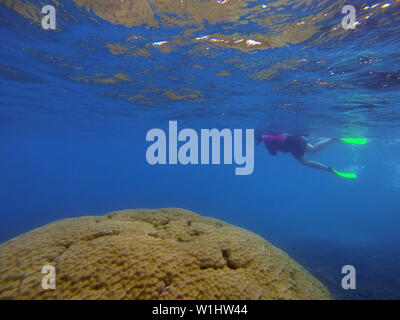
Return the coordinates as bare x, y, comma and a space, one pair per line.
380, 80
17, 74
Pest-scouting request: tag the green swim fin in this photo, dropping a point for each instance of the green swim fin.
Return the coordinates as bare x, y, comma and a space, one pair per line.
345, 175
354, 140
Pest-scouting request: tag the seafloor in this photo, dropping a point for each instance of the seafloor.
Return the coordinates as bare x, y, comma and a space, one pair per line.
375, 267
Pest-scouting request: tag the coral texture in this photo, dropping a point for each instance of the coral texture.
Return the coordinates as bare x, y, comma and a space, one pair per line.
151, 254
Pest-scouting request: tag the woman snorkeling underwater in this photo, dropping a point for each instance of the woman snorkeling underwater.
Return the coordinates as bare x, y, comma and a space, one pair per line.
299, 147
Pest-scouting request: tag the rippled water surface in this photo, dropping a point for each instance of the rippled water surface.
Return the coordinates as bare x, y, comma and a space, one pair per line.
76, 103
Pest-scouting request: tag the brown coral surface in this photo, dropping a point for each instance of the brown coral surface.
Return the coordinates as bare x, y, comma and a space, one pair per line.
151, 254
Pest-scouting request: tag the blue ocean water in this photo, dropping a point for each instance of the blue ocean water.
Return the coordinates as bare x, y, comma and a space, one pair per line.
77, 102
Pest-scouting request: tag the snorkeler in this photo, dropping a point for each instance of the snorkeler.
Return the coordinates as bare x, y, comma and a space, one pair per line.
299, 147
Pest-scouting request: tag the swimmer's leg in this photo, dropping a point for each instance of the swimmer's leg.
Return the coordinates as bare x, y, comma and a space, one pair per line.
313, 164
319, 145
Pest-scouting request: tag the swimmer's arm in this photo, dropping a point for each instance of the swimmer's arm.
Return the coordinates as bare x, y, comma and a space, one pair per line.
272, 151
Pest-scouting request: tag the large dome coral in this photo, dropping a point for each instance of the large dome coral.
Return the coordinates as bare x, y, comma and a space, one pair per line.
151, 254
